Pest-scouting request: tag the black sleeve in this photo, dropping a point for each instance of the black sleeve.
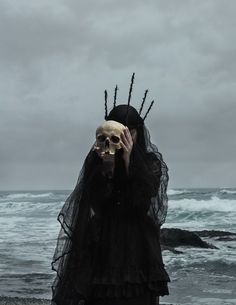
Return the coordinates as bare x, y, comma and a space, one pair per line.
97, 188
143, 178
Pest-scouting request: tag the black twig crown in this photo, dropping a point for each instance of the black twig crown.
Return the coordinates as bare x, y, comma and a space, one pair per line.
129, 99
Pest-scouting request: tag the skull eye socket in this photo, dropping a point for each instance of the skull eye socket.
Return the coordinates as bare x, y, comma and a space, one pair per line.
115, 139
101, 138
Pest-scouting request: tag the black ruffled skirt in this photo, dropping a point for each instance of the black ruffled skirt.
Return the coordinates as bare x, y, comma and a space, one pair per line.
127, 263
147, 299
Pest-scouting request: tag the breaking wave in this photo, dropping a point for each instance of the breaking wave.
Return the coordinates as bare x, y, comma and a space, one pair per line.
214, 204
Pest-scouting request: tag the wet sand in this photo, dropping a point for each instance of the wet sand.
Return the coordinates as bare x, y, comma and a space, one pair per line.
32, 301
23, 301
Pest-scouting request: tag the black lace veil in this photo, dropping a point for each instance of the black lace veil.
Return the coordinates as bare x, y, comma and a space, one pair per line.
158, 209
72, 250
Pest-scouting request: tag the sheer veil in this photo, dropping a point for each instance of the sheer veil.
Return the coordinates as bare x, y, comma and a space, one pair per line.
74, 218
72, 257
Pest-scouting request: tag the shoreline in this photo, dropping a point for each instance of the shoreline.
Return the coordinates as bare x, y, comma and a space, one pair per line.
22, 301
33, 301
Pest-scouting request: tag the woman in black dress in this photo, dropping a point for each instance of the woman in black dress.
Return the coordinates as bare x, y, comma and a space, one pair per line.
108, 250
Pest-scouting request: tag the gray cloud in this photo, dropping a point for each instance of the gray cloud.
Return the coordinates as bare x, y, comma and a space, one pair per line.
57, 57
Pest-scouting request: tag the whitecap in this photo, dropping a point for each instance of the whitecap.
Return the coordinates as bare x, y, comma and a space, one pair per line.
28, 195
214, 204
226, 191
177, 192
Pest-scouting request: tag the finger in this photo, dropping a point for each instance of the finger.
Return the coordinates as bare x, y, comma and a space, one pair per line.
127, 144
126, 149
124, 139
128, 137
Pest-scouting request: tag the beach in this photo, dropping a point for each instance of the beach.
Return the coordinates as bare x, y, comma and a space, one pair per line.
33, 301
23, 301
199, 276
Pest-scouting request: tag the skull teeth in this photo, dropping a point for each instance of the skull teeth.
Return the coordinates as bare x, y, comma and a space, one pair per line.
108, 137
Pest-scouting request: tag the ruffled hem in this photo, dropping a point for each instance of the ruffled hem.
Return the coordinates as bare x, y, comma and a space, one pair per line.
130, 282
130, 274
128, 290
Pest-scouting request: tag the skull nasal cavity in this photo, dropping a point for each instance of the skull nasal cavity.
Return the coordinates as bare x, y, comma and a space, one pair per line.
107, 143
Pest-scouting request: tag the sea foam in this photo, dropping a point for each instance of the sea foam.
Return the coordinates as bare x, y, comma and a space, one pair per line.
27, 195
177, 192
214, 204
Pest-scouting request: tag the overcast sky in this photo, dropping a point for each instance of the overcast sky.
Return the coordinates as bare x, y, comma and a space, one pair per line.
58, 56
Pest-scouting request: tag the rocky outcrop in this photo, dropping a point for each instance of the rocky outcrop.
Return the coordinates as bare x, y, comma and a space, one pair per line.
173, 237
217, 235
214, 233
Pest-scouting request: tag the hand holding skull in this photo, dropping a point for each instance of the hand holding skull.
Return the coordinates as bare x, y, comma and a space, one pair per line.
110, 137
127, 145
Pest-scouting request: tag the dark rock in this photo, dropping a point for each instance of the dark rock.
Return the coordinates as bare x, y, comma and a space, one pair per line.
214, 233
173, 237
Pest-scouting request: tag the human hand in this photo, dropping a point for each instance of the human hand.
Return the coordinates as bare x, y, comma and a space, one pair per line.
127, 145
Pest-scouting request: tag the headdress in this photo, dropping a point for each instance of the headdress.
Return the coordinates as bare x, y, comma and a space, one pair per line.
129, 100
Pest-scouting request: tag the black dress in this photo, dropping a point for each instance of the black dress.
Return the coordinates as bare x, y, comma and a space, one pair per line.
124, 242
118, 260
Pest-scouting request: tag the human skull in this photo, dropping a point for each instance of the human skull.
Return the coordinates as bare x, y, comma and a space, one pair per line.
108, 137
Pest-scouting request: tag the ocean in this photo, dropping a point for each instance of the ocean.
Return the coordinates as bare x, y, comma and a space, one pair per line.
29, 231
